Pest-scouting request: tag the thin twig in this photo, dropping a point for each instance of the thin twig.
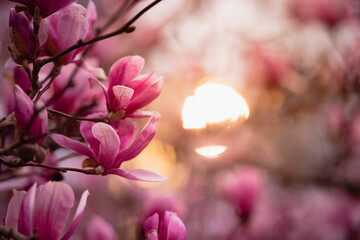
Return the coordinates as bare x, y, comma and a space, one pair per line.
54, 74
102, 119
125, 28
62, 169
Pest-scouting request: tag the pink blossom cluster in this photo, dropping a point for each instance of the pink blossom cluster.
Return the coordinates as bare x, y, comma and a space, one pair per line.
58, 98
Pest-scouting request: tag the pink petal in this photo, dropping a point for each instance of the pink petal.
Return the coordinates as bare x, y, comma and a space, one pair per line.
99, 229
105, 91
152, 235
109, 143
151, 223
13, 210
24, 107
172, 228
70, 29
26, 212
152, 92
142, 140
122, 96
137, 174
126, 129
124, 70
76, 146
77, 217
52, 207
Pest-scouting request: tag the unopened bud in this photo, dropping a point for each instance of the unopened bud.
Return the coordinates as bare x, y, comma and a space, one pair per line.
116, 115
99, 170
41, 154
88, 163
27, 152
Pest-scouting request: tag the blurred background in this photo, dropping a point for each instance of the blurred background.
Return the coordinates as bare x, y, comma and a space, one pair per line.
260, 126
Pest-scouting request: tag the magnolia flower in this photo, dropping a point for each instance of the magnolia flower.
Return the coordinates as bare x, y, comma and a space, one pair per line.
24, 110
46, 7
98, 229
242, 188
21, 33
127, 91
170, 227
44, 210
111, 146
67, 27
74, 98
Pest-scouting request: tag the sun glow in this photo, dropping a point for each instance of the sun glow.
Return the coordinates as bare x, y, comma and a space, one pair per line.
213, 103
212, 151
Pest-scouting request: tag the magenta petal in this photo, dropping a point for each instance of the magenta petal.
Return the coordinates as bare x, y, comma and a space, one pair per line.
122, 96
152, 235
22, 79
109, 143
137, 174
142, 140
69, 143
26, 212
48, 7
151, 223
24, 107
77, 217
125, 70
147, 96
172, 228
52, 207
13, 210
127, 130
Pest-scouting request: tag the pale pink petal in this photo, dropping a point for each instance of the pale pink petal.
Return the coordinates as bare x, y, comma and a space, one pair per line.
52, 207
26, 212
70, 29
122, 96
77, 217
142, 140
171, 227
13, 210
91, 16
147, 96
137, 174
109, 143
125, 70
76, 146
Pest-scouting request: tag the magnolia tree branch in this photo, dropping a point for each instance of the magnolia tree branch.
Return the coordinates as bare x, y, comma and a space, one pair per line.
102, 119
13, 234
124, 29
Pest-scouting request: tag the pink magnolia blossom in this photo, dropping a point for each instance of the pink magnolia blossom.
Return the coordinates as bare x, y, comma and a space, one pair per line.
67, 27
98, 229
47, 7
127, 91
110, 146
242, 187
21, 33
24, 110
74, 98
170, 227
45, 209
